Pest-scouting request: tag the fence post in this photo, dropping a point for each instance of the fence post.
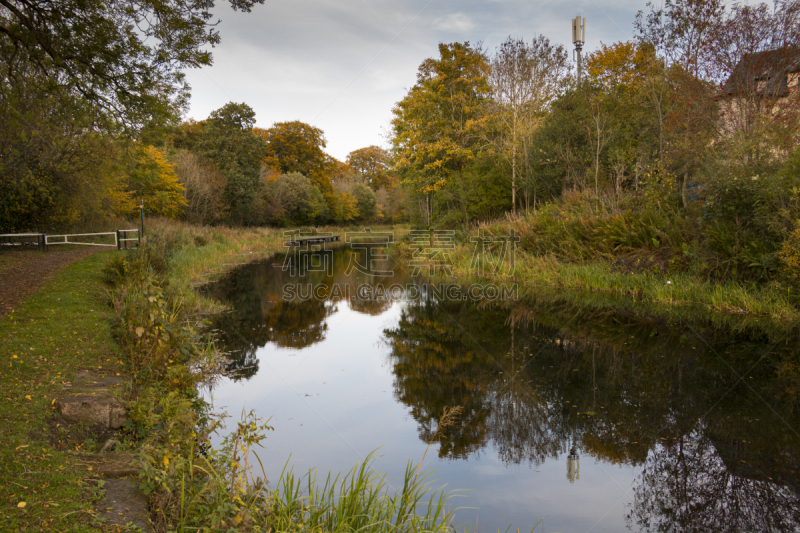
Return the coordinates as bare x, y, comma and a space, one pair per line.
42, 238
119, 240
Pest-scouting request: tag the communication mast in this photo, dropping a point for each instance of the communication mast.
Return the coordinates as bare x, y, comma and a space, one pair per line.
578, 38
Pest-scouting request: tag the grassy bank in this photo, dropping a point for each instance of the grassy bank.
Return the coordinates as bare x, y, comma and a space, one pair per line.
537, 276
644, 249
187, 255
201, 254
65, 326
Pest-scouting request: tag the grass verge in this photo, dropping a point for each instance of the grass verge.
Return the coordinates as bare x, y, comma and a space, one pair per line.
60, 329
577, 281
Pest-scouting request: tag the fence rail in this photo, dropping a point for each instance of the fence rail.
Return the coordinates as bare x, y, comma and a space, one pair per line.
48, 241
42, 241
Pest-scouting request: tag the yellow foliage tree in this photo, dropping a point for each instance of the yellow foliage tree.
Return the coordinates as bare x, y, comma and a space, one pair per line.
342, 207
153, 179
623, 64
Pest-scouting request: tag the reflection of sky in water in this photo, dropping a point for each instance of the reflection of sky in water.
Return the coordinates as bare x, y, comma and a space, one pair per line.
332, 403
343, 379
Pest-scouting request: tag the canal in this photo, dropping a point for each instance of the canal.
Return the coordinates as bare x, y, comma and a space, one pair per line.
580, 418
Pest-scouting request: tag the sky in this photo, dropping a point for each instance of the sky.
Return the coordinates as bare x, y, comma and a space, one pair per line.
341, 65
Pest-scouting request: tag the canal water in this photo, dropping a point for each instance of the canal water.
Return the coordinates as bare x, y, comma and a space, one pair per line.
577, 418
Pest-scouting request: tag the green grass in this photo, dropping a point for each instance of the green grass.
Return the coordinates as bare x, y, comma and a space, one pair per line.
360, 501
580, 281
50, 335
201, 254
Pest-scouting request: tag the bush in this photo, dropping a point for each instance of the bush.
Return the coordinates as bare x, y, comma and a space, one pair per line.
742, 227
790, 255
291, 199
582, 227
365, 201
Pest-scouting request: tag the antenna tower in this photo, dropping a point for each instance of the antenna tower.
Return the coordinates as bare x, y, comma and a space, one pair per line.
579, 38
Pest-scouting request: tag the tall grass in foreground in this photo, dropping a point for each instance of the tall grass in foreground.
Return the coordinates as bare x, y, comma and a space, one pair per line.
360, 501
219, 490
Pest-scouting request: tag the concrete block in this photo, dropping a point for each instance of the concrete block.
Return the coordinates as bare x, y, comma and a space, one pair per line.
99, 408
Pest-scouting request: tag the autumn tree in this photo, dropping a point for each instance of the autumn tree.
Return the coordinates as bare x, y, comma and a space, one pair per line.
227, 143
56, 169
630, 101
524, 79
293, 199
298, 147
680, 32
436, 127
365, 201
152, 178
560, 151
371, 165
205, 188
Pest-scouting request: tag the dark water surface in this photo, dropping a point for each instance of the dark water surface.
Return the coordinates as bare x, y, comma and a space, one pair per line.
591, 420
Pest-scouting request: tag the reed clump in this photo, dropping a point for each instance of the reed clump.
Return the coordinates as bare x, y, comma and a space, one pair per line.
220, 490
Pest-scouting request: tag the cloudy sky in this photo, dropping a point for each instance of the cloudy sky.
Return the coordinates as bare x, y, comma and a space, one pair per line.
341, 65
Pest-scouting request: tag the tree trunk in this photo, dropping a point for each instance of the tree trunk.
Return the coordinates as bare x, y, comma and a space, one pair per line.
684, 189
597, 165
514, 171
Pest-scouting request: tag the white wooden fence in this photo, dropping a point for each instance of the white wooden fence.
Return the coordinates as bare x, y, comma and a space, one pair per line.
120, 238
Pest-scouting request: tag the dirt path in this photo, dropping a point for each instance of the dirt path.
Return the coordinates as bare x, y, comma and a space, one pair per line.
21, 273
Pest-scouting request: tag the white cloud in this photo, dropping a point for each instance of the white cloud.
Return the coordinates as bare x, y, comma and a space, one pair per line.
343, 64
455, 22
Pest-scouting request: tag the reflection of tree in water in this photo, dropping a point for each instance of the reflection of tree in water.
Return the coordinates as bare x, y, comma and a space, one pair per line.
287, 324
630, 391
260, 314
367, 306
436, 365
525, 428
689, 486
297, 324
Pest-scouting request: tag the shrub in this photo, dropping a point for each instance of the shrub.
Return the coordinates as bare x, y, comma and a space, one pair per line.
740, 227
365, 201
790, 255
293, 199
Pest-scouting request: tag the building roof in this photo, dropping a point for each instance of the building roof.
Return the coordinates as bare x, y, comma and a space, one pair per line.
764, 72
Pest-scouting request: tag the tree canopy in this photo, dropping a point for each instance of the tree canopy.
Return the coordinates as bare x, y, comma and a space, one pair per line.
298, 147
436, 125
123, 57
371, 164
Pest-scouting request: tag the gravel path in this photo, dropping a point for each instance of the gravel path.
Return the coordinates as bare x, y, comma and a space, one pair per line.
22, 272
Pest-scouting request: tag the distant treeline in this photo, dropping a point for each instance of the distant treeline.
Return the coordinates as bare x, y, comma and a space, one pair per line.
692, 123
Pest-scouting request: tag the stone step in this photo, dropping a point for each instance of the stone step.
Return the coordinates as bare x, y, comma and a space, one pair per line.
88, 399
